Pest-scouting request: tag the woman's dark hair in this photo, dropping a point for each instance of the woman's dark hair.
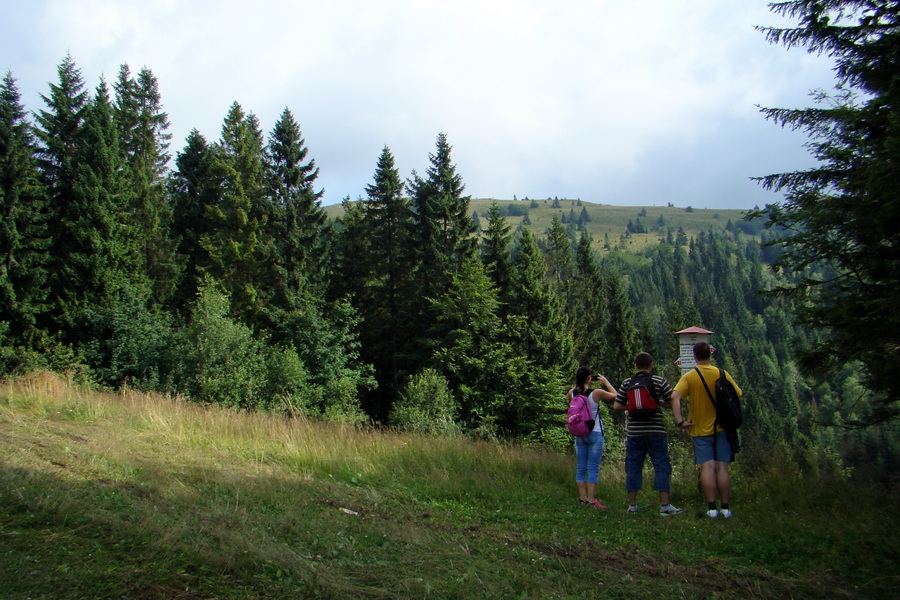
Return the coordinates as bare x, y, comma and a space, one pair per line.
583, 377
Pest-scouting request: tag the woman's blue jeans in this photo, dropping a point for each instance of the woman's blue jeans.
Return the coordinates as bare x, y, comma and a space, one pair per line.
589, 454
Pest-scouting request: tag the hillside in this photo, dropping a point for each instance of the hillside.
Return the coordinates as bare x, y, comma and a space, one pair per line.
138, 496
607, 223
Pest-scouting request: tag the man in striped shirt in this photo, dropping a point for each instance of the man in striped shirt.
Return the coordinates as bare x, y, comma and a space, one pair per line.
646, 434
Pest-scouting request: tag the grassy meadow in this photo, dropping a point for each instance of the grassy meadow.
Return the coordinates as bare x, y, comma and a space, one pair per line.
131, 495
608, 223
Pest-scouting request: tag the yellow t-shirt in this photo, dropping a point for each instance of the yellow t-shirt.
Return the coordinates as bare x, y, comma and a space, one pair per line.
702, 413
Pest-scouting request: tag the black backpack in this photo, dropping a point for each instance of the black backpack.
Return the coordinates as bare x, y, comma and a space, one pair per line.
727, 404
641, 397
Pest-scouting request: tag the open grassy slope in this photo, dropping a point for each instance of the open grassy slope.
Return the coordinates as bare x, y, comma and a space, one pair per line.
607, 222
138, 496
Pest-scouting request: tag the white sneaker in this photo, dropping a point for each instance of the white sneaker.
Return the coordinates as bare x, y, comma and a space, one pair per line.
726, 513
632, 508
665, 511
713, 513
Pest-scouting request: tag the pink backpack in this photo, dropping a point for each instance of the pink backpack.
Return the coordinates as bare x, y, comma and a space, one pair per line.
579, 418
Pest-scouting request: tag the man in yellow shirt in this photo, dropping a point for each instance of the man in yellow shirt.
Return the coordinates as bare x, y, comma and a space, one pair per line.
712, 449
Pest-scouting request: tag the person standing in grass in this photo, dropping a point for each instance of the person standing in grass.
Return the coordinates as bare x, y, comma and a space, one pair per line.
712, 449
647, 436
589, 450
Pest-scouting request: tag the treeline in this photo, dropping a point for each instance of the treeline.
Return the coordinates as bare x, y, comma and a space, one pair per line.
214, 274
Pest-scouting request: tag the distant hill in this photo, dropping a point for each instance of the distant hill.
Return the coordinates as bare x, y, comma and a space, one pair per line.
607, 224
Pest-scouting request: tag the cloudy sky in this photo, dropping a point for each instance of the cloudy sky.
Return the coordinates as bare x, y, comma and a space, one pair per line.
636, 103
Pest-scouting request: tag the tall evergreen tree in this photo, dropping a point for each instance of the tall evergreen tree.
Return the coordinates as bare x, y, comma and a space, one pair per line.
142, 127
620, 331
387, 301
442, 231
480, 365
23, 224
58, 131
192, 189
589, 308
238, 240
298, 219
539, 327
495, 252
100, 261
442, 223
843, 215
558, 251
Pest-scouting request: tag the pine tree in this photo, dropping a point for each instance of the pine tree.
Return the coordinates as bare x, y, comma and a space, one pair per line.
481, 367
387, 301
100, 264
144, 141
298, 220
23, 224
193, 189
58, 131
842, 217
620, 331
589, 308
238, 240
495, 252
558, 251
442, 223
442, 239
539, 327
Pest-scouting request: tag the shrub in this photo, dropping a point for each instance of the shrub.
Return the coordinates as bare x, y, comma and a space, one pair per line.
426, 406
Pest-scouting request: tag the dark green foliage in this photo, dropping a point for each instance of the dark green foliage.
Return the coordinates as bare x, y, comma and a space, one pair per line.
192, 189
223, 282
495, 252
143, 143
538, 326
425, 405
23, 228
297, 219
842, 217
386, 300
237, 241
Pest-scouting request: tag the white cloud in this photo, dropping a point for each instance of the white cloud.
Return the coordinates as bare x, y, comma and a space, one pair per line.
589, 98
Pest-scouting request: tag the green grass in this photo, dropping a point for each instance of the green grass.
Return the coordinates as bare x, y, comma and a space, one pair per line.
138, 496
607, 222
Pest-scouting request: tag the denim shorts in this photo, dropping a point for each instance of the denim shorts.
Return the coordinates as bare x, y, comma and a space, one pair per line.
636, 450
589, 455
703, 448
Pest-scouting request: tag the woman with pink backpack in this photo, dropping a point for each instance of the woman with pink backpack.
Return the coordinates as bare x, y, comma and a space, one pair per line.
589, 447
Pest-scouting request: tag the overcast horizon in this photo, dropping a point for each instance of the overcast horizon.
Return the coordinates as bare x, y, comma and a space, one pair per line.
646, 104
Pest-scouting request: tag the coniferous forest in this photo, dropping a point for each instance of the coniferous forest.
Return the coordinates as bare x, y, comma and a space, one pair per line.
212, 272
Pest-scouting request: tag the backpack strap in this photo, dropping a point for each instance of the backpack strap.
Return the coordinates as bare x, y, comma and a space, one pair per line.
703, 381
713, 399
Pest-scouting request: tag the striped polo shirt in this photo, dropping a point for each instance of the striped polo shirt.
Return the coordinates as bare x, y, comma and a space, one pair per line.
654, 425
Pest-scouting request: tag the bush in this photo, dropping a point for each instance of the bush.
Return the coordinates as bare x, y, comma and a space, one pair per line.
216, 358
426, 406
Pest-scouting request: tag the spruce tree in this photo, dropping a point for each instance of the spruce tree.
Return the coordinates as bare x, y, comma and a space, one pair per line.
142, 127
23, 225
298, 218
538, 326
442, 239
442, 223
387, 301
588, 308
480, 365
842, 216
59, 130
495, 252
192, 189
238, 240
